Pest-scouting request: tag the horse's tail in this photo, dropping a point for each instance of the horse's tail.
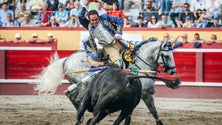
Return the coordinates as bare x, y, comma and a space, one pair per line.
51, 76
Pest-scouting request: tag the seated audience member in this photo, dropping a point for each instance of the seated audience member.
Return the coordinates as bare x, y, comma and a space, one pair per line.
136, 3
44, 15
52, 22
50, 38
213, 7
19, 2
127, 23
76, 10
2, 39
108, 4
213, 39
27, 22
61, 15
148, 12
165, 22
18, 38
154, 22
11, 4
52, 5
73, 22
100, 8
19, 13
10, 22
188, 23
35, 39
69, 5
186, 13
204, 19
197, 40
4, 12
34, 7
215, 23
140, 22
115, 11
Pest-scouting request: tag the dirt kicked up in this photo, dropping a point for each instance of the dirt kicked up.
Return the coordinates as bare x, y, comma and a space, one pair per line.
58, 110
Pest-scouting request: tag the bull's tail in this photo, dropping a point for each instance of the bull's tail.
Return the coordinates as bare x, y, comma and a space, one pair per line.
51, 76
171, 83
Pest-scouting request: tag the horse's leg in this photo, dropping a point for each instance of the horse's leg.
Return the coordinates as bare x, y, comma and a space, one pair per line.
148, 90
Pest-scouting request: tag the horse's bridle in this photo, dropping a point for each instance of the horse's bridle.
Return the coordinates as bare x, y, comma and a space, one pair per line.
165, 66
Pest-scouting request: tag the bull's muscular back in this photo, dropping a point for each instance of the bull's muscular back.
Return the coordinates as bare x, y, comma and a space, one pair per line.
112, 90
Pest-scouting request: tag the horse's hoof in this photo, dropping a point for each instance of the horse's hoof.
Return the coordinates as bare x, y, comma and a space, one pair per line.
159, 123
77, 123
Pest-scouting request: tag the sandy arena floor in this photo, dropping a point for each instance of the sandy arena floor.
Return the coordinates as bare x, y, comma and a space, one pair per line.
58, 110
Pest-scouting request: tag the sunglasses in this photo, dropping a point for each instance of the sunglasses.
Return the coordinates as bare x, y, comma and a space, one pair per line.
186, 7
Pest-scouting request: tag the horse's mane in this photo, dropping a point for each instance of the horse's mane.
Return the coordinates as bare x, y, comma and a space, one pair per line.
149, 47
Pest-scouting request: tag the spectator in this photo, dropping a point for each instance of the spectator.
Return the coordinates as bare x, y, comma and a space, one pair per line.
115, 11
73, 22
108, 4
3, 13
197, 38
215, 23
177, 7
188, 23
61, 15
154, 22
44, 15
204, 19
18, 38
76, 10
2, 39
139, 23
20, 12
52, 22
136, 3
155, 4
11, 4
35, 39
27, 22
213, 8
50, 38
165, 22
62, 1
197, 14
127, 22
174, 43
52, 5
186, 13
69, 5
10, 22
213, 39
100, 8
196, 5
19, 2
91, 4
148, 12
35, 6
164, 6
184, 38
166, 37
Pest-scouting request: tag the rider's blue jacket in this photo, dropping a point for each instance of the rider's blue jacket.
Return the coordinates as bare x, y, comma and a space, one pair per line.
113, 24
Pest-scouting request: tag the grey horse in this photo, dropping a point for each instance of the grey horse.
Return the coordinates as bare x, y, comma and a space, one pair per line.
148, 57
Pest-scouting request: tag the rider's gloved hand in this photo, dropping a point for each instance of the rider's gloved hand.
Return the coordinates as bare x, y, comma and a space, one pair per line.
118, 36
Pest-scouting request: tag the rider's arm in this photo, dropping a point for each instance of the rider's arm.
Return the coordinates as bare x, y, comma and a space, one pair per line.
82, 18
92, 62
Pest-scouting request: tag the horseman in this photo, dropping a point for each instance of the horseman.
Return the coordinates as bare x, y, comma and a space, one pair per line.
108, 30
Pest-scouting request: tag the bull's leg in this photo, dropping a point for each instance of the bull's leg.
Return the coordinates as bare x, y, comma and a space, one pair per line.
149, 101
125, 113
97, 117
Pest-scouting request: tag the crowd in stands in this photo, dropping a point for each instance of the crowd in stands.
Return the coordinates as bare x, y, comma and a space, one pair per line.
151, 13
34, 39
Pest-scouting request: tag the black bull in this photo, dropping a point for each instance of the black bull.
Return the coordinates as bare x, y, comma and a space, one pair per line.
110, 91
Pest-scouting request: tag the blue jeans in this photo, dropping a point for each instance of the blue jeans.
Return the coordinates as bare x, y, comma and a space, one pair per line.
165, 6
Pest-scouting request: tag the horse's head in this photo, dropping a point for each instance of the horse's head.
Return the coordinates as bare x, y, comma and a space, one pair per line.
165, 58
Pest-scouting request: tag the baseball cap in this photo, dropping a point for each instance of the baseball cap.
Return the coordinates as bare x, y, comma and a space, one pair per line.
17, 35
49, 34
34, 34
